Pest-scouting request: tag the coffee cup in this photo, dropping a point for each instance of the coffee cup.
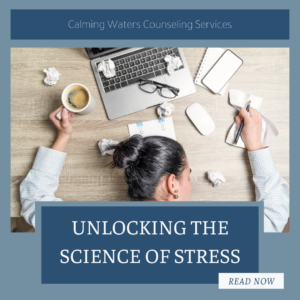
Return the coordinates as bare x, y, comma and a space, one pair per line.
78, 99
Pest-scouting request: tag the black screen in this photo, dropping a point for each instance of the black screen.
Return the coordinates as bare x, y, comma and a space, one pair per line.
97, 52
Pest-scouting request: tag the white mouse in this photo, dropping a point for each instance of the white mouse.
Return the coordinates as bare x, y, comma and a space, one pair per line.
201, 119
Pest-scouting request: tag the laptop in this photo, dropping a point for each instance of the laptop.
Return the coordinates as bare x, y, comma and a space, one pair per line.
121, 94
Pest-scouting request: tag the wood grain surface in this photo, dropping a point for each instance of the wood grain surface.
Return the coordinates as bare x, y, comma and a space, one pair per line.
86, 177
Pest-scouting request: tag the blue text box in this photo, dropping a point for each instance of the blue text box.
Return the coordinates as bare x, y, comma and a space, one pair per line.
58, 234
150, 24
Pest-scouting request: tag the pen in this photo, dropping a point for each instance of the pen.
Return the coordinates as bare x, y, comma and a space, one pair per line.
241, 127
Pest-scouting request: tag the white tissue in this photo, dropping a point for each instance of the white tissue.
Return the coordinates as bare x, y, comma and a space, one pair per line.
165, 109
52, 76
104, 144
239, 99
215, 177
108, 68
174, 62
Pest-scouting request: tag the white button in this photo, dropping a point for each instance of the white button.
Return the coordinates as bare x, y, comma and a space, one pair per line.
251, 281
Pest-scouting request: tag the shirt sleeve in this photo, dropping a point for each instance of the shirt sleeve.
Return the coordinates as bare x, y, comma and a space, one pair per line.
271, 188
41, 182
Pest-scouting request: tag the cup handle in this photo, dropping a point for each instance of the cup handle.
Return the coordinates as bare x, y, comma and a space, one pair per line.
58, 115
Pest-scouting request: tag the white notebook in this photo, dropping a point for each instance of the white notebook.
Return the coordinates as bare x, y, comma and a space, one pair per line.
161, 127
210, 58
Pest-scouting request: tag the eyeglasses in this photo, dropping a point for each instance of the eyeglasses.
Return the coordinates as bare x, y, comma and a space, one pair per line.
164, 90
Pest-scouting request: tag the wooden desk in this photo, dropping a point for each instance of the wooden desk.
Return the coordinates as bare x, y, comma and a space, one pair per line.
85, 177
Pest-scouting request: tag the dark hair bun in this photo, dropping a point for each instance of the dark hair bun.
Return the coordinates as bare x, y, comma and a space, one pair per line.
146, 161
127, 153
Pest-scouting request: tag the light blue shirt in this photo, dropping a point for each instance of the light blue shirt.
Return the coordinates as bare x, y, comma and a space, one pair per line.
42, 182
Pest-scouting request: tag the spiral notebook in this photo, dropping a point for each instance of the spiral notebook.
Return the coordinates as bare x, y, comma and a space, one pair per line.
161, 127
210, 58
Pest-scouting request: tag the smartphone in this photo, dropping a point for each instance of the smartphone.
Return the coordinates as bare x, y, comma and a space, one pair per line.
222, 71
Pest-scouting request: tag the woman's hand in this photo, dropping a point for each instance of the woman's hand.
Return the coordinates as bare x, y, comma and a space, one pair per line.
251, 132
64, 128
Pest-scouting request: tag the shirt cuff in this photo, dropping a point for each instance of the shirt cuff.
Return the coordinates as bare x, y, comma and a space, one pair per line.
49, 161
261, 161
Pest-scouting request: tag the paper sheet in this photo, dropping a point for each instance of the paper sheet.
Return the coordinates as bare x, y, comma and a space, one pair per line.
239, 99
161, 127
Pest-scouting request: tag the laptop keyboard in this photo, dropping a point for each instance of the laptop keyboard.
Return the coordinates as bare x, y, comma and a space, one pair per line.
131, 67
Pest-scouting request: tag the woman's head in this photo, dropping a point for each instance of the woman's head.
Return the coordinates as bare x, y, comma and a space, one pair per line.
156, 168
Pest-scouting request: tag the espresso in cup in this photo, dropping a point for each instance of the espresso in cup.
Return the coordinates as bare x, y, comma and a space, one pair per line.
77, 97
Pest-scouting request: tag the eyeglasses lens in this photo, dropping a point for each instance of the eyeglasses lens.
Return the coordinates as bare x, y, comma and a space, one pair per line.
168, 93
148, 87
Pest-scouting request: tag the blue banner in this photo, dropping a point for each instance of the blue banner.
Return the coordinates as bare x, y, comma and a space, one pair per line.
147, 244
150, 24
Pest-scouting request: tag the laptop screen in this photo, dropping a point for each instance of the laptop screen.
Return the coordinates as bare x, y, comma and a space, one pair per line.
98, 52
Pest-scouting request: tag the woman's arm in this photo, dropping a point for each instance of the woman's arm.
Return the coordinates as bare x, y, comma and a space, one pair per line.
269, 185
271, 188
42, 180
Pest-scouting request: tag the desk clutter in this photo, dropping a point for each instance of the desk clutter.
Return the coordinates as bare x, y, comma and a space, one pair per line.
198, 115
216, 69
265, 73
217, 65
173, 62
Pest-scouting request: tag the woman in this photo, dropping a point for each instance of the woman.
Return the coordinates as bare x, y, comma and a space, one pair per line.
156, 168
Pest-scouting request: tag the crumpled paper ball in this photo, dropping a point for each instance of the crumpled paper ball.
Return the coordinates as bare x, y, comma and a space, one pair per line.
174, 63
52, 76
215, 177
165, 109
108, 68
104, 144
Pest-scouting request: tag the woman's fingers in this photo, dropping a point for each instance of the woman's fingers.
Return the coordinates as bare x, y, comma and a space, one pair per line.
55, 112
253, 112
238, 120
244, 113
65, 117
71, 114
